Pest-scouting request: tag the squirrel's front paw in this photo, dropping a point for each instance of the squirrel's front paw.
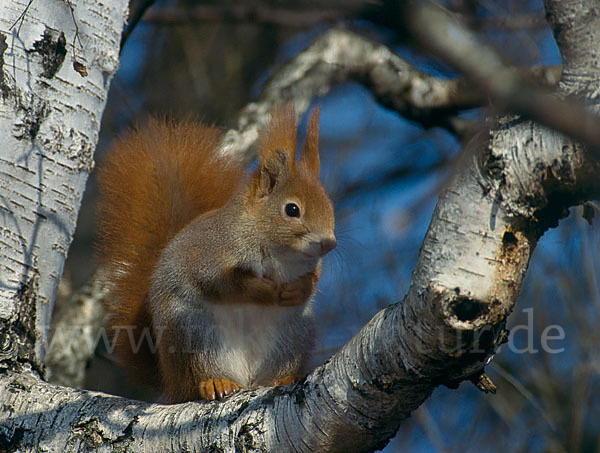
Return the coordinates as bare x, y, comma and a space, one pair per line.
296, 292
212, 389
263, 291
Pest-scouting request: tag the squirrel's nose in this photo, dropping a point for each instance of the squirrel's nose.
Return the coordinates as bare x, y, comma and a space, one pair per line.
327, 245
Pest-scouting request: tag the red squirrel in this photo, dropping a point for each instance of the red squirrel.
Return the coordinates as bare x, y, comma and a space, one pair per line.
211, 267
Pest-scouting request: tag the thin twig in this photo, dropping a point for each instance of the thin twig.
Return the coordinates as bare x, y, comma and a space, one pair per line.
21, 18
76, 37
446, 37
77, 65
512, 380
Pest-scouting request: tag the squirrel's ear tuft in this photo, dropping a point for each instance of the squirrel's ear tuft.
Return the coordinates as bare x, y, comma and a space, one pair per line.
277, 149
310, 149
279, 134
274, 169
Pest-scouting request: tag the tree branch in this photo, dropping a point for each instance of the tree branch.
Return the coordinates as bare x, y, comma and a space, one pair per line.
482, 64
134, 18
74, 330
341, 55
580, 56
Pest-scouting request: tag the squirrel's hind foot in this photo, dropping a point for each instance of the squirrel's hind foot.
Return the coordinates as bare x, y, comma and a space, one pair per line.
212, 389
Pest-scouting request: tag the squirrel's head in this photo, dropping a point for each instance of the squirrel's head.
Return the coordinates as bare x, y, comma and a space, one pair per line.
289, 203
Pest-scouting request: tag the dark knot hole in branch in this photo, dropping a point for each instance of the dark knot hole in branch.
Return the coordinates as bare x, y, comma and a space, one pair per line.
509, 239
467, 309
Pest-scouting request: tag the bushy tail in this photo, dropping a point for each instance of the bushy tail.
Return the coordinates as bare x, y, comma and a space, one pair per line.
153, 182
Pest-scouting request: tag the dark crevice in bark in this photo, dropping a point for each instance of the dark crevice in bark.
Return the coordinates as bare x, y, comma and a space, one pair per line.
4, 88
11, 442
18, 334
52, 48
467, 309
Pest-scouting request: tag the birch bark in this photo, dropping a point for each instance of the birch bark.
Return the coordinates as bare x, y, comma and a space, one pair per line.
49, 121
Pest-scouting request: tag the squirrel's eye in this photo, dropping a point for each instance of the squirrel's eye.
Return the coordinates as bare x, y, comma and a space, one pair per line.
292, 210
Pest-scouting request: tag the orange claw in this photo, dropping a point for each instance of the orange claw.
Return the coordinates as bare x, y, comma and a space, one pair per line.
212, 389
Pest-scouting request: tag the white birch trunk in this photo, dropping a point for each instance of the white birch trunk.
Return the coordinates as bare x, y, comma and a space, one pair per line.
49, 121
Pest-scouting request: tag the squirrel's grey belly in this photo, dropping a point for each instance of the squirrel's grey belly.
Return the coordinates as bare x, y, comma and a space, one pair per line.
256, 344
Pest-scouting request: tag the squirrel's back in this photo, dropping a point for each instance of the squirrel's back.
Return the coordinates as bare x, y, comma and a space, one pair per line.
153, 182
